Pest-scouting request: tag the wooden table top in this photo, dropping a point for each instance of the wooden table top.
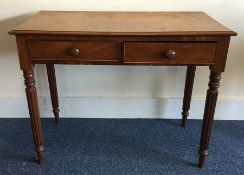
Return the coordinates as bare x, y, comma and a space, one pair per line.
121, 23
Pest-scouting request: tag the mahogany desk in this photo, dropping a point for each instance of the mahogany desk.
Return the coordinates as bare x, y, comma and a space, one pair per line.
123, 38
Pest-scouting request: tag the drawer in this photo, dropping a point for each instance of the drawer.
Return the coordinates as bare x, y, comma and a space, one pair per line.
74, 50
169, 53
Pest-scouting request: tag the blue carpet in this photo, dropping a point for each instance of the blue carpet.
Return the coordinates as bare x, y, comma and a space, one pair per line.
120, 147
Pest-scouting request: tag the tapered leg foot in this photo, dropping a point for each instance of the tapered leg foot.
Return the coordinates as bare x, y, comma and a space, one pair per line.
31, 95
39, 154
202, 156
208, 117
53, 90
190, 75
56, 115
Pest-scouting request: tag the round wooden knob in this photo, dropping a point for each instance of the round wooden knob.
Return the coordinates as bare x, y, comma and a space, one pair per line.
170, 54
74, 51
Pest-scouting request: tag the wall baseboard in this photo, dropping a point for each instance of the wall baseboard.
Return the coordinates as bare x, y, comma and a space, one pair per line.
91, 107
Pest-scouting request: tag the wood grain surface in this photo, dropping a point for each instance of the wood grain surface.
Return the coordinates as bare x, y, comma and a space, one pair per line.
155, 53
61, 50
122, 23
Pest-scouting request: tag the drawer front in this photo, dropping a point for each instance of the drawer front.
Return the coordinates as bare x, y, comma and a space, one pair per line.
169, 53
74, 50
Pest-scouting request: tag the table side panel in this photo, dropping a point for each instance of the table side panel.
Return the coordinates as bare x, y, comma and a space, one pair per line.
116, 54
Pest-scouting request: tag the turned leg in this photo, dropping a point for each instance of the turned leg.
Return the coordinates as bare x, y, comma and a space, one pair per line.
208, 117
31, 95
53, 90
190, 74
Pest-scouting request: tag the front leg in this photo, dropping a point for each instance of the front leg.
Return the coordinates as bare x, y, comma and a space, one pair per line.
31, 95
208, 117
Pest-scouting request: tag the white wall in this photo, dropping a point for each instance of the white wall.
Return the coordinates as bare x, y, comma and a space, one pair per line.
115, 86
